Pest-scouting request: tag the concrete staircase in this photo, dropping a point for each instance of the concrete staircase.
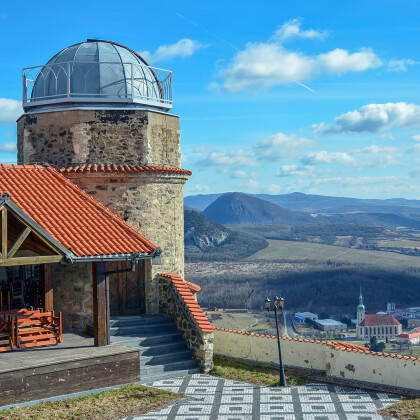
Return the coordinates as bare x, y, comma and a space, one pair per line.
163, 352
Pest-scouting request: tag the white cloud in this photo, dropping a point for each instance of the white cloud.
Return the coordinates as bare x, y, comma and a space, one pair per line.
414, 150
200, 188
266, 64
387, 136
295, 170
244, 175
10, 111
274, 189
416, 137
374, 149
10, 134
291, 29
252, 184
400, 65
373, 118
281, 146
183, 48
236, 157
8, 147
352, 181
321, 157
339, 61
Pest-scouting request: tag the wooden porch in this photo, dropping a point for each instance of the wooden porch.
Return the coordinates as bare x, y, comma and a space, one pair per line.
72, 366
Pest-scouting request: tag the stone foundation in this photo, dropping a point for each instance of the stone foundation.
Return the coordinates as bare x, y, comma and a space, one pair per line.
200, 343
73, 295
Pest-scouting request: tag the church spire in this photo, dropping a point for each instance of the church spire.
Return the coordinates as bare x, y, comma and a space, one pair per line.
361, 307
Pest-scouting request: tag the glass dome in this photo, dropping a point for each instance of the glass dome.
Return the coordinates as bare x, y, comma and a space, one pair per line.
97, 72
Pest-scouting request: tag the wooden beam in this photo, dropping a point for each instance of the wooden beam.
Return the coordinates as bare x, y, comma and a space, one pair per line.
4, 232
100, 327
47, 287
30, 260
19, 242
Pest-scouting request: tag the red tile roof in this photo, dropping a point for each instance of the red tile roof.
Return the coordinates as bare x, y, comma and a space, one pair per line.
410, 335
125, 169
67, 213
374, 320
185, 292
195, 288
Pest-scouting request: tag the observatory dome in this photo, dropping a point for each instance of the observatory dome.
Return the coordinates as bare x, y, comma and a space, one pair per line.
97, 72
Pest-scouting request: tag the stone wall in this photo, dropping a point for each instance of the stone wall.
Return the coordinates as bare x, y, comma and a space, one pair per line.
68, 137
199, 342
353, 365
156, 203
73, 295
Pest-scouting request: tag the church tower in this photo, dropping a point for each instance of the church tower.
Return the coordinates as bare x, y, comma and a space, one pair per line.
100, 114
360, 309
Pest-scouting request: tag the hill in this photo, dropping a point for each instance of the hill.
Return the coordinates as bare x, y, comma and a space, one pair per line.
208, 241
241, 209
312, 203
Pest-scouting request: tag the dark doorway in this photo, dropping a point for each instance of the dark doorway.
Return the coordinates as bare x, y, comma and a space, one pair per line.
126, 289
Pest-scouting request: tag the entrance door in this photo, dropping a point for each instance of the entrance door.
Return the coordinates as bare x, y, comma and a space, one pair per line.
126, 289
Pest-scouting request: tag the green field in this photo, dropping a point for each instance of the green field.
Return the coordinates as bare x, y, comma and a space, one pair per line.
403, 243
252, 322
289, 250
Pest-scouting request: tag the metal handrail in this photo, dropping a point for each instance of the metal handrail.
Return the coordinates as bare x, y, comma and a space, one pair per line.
185, 313
134, 83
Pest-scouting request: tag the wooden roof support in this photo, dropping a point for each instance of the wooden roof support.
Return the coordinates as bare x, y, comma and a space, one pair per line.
8, 258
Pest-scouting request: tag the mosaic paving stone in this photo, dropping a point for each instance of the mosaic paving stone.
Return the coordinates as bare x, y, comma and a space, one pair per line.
211, 398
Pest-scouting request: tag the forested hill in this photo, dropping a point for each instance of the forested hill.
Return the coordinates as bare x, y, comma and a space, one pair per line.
242, 209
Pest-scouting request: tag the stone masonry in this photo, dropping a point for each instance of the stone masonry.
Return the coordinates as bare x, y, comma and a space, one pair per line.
71, 137
119, 137
73, 295
201, 344
157, 211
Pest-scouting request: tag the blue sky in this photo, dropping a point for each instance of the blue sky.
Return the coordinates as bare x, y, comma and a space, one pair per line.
319, 97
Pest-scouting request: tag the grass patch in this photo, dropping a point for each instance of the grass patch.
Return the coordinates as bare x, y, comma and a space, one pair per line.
408, 409
129, 400
255, 374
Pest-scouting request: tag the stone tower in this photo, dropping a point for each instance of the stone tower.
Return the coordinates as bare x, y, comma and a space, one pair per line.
100, 114
360, 309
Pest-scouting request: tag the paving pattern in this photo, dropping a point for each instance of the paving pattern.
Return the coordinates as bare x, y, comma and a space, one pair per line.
211, 398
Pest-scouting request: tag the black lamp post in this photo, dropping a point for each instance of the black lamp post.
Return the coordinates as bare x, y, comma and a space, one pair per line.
278, 304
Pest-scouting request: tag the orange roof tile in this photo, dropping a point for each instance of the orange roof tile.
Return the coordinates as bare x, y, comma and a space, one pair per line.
195, 288
125, 169
410, 335
185, 292
373, 320
68, 214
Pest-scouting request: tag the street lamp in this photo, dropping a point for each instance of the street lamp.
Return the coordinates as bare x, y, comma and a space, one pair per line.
278, 304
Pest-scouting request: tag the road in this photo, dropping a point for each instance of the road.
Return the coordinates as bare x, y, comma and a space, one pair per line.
288, 326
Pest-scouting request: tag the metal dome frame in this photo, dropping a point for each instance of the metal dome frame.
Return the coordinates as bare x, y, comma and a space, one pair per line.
152, 91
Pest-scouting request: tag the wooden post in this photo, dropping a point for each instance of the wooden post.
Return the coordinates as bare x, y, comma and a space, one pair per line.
47, 287
100, 327
4, 232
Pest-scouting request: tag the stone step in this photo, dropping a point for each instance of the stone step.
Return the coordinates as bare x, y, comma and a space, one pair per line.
165, 358
167, 375
148, 340
167, 347
162, 369
126, 321
142, 329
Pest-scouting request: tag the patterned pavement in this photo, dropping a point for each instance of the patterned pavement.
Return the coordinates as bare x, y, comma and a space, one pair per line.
212, 398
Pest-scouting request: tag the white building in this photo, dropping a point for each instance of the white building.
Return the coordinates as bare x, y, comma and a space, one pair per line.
381, 326
331, 325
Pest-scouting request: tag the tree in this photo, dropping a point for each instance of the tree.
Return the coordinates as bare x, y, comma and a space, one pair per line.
376, 346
